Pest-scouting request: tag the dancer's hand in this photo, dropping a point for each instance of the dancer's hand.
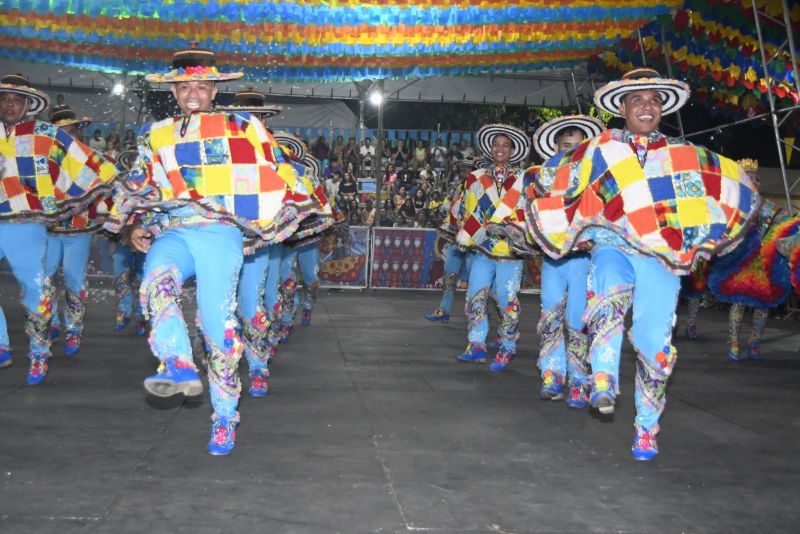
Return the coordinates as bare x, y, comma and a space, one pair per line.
141, 239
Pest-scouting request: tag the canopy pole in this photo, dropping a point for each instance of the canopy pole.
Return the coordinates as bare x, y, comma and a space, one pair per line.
667, 48
379, 156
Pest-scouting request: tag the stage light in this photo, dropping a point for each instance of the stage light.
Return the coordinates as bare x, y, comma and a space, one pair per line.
118, 89
375, 98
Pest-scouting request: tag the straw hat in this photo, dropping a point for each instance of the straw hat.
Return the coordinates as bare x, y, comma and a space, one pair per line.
21, 85
193, 64
64, 116
252, 101
674, 93
545, 139
520, 140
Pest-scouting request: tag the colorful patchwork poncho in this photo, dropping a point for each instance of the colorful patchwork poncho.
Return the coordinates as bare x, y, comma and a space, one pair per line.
756, 273
226, 167
484, 200
682, 203
452, 222
47, 175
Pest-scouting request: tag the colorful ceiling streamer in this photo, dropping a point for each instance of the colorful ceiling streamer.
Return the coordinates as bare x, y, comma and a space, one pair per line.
323, 40
714, 47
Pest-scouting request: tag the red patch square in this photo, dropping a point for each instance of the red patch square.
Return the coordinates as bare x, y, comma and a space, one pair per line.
614, 209
212, 125
712, 184
25, 128
472, 226
269, 180
242, 150
644, 220
13, 187
684, 158
673, 238
34, 202
42, 145
579, 152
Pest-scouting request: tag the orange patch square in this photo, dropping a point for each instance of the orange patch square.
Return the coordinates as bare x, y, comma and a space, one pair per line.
644, 220
561, 181
177, 181
684, 158
590, 204
42, 145
485, 180
13, 187
728, 211
511, 198
269, 179
549, 203
212, 126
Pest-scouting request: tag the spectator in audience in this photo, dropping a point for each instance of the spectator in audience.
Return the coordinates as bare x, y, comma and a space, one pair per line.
387, 214
422, 219
354, 218
338, 147
352, 170
405, 177
428, 175
97, 143
400, 153
407, 209
332, 184
350, 156
321, 149
400, 198
390, 179
435, 202
334, 167
386, 153
129, 141
419, 199
112, 146
466, 150
400, 221
420, 155
368, 213
348, 189
439, 156
454, 154
367, 153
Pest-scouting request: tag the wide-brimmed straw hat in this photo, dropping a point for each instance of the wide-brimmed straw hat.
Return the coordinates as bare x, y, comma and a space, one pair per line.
292, 143
193, 64
522, 144
313, 163
545, 139
674, 93
251, 101
127, 158
21, 85
64, 116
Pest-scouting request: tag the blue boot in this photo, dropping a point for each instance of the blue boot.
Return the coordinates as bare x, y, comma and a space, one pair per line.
578, 396
72, 344
174, 377
259, 383
5, 358
438, 315
475, 353
40, 364
501, 360
223, 435
54, 333
644, 447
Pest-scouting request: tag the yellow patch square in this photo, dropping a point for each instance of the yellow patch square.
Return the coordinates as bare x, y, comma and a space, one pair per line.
71, 166
161, 137
44, 185
730, 168
627, 172
216, 180
693, 211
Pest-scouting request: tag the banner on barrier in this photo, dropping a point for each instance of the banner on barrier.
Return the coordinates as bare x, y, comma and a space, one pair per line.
343, 257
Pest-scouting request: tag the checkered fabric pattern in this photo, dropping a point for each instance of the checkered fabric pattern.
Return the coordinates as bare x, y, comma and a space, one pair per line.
89, 220
47, 175
482, 201
684, 203
225, 164
450, 226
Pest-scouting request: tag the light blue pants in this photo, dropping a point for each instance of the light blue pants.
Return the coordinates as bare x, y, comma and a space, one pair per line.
128, 269
255, 315
213, 254
506, 276
564, 301
617, 282
272, 295
71, 253
308, 263
454, 260
25, 247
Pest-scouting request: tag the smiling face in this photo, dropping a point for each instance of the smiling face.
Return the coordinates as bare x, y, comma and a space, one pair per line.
194, 96
502, 148
642, 111
569, 139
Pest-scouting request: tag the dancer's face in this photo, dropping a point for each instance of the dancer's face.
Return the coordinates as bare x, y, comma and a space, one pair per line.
13, 107
502, 147
642, 111
194, 96
568, 140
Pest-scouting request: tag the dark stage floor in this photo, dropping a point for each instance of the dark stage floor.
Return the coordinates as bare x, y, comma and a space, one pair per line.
372, 426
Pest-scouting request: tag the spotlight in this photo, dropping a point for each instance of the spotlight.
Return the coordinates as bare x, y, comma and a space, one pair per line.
118, 89
375, 98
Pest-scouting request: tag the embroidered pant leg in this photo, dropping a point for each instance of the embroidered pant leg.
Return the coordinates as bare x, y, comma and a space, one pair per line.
611, 279
272, 298
288, 285
481, 276
123, 259
655, 299
308, 263
136, 277
53, 260
693, 311
453, 262
75, 260
552, 360
252, 315
735, 317
577, 339
25, 248
508, 277
759, 324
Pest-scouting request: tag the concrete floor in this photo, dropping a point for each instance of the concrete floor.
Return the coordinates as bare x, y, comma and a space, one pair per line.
371, 426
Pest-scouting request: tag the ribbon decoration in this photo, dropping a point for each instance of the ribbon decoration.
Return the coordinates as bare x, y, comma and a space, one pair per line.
321, 40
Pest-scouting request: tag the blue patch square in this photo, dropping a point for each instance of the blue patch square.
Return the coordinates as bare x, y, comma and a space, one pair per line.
485, 203
63, 138
5, 207
216, 151
246, 206
745, 199
190, 175
188, 153
599, 164
661, 188
75, 190
716, 231
26, 167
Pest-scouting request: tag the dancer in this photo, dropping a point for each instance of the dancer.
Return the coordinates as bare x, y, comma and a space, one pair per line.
563, 342
69, 243
47, 176
496, 191
755, 274
651, 206
454, 257
205, 184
